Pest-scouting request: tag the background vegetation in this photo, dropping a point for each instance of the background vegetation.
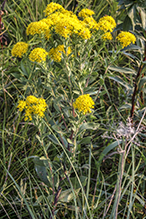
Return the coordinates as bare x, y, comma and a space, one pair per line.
67, 165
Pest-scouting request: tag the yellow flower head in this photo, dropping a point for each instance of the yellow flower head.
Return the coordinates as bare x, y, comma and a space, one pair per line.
31, 100
126, 38
84, 103
19, 49
106, 23
90, 22
21, 105
56, 53
32, 106
63, 28
38, 27
52, 7
86, 13
107, 36
38, 55
85, 33
66, 24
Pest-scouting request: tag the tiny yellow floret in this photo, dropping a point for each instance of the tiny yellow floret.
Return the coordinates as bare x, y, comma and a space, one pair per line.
19, 49
84, 103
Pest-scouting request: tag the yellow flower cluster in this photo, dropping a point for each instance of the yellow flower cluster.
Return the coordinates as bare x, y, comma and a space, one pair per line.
85, 33
84, 103
86, 13
37, 27
90, 23
106, 23
55, 53
107, 36
19, 49
63, 22
32, 106
41, 27
52, 7
38, 55
67, 24
126, 38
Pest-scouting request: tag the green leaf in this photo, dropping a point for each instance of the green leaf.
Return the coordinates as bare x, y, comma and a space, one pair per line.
121, 81
131, 56
108, 149
89, 125
126, 106
142, 82
41, 170
53, 139
75, 182
122, 70
143, 17
57, 128
132, 15
132, 47
23, 71
127, 24
67, 195
85, 140
16, 75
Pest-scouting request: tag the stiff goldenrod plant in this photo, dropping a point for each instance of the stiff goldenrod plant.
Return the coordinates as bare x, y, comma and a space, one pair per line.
73, 102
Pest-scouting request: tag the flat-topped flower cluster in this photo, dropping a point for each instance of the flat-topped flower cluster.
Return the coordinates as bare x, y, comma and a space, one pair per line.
33, 106
66, 24
84, 103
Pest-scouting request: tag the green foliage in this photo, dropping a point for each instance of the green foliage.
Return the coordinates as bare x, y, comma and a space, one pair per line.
67, 164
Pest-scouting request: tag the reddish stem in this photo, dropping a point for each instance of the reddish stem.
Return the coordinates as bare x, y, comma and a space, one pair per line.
136, 86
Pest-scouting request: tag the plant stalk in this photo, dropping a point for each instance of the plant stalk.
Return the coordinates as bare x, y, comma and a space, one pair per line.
136, 86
